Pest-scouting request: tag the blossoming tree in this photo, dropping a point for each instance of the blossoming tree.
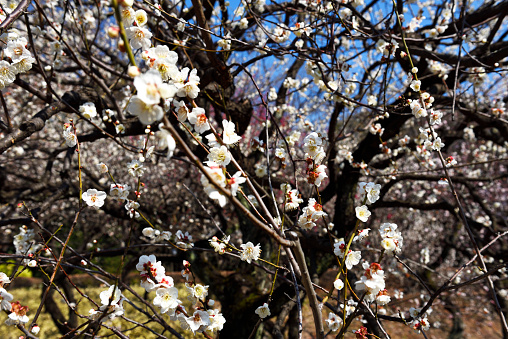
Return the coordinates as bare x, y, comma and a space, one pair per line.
253, 146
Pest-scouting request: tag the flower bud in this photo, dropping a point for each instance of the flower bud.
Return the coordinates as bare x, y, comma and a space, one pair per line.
121, 46
113, 32
133, 71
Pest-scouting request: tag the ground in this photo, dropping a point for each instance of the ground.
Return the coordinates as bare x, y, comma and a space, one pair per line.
479, 320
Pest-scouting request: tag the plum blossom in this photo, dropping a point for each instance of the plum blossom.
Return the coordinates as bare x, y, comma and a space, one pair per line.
316, 175
199, 321
166, 140
219, 247
198, 118
88, 110
26, 244
419, 322
156, 235
147, 113
111, 296
111, 301
217, 321
362, 213
70, 137
35, 329
383, 298
18, 315
338, 284
235, 182
103, 168
131, 206
312, 146
139, 37
220, 155
198, 292
391, 238
250, 252
263, 311
119, 191
217, 174
183, 240
167, 299
16, 50
140, 18
333, 322
293, 199
260, 170
5, 300
7, 74
228, 135
187, 83
370, 190
94, 198
152, 272
181, 110
150, 88
310, 215
136, 168
353, 258
372, 281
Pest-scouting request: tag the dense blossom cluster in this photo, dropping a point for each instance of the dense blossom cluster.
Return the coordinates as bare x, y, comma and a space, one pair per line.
154, 279
19, 59
17, 312
26, 244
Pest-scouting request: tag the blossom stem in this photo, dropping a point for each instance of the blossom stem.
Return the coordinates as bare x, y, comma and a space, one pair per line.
152, 226
123, 34
343, 262
79, 167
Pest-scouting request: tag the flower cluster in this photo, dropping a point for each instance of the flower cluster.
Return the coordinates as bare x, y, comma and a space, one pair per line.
112, 304
292, 197
69, 135
18, 314
183, 240
25, 243
391, 238
154, 278
119, 191
88, 110
310, 215
372, 283
352, 257
164, 81
314, 154
215, 171
427, 141
312, 146
16, 51
156, 235
418, 323
370, 191
219, 246
387, 48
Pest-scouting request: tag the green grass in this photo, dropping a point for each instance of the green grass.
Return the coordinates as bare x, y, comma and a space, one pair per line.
31, 297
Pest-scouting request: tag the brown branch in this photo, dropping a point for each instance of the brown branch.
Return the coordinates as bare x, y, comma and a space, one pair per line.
22, 6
